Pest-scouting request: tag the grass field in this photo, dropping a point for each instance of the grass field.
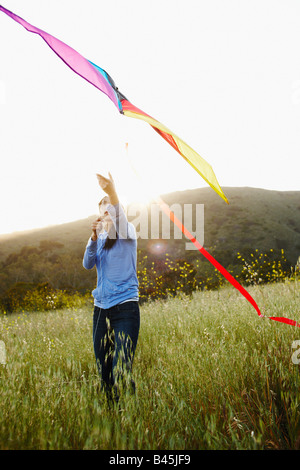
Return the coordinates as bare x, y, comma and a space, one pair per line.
210, 374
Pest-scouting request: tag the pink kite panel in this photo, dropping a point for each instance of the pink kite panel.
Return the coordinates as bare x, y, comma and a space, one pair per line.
72, 58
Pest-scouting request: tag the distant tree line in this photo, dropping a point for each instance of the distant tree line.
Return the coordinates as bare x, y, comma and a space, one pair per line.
52, 276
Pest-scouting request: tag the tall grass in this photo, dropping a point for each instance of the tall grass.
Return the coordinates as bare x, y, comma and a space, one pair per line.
210, 374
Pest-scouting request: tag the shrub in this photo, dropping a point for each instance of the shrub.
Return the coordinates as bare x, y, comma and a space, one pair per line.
263, 268
41, 297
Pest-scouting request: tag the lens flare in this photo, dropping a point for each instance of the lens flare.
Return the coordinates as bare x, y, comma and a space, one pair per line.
157, 247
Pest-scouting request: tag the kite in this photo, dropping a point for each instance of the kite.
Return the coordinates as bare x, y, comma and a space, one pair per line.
102, 80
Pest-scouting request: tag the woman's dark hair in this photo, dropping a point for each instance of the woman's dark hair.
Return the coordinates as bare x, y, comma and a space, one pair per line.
109, 242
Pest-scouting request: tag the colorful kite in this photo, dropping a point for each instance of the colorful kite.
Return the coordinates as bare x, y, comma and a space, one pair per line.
101, 80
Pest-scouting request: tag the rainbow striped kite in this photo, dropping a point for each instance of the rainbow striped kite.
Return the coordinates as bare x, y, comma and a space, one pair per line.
101, 80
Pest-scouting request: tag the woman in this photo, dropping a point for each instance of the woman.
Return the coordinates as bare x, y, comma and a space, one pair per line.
112, 248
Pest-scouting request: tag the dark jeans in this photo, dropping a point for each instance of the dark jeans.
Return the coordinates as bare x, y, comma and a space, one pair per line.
115, 335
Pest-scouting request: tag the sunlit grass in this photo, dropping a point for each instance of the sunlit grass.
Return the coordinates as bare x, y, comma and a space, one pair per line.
210, 374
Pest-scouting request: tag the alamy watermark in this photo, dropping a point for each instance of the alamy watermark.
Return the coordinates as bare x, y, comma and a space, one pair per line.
296, 354
150, 222
2, 353
155, 224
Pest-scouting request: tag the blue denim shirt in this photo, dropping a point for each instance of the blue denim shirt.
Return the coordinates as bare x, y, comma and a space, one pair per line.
116, 268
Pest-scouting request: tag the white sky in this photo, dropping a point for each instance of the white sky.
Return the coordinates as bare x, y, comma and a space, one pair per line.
223, 75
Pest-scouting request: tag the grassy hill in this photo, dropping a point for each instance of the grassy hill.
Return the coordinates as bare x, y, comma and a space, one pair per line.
254, 219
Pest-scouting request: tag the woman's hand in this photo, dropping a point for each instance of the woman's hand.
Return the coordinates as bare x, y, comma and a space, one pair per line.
108, 186
96, 228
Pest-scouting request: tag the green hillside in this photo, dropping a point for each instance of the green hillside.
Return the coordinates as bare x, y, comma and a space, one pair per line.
254, 219
256, 238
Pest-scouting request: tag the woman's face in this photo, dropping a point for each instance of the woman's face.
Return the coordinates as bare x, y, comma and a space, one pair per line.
103, 209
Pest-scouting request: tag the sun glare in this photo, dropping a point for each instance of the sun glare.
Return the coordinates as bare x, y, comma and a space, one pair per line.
133, 187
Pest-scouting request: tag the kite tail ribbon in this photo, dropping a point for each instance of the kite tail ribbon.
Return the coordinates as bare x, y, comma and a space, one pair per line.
218, 266
166, 209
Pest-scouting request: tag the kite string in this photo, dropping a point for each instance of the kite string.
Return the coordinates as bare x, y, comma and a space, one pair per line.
166, 209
